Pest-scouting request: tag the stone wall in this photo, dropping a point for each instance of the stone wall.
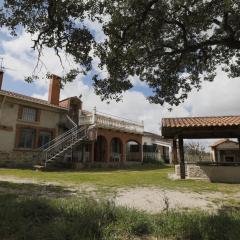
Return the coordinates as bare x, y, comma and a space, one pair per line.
213, 173
192, 171
18, 159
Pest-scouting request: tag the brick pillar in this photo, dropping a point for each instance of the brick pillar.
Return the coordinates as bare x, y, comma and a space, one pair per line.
108, 149
54, 90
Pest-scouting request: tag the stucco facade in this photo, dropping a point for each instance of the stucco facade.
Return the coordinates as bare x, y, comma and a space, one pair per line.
10, 123
28, 125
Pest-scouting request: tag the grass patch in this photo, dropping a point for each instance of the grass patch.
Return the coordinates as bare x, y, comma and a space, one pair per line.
140, 176
48, 219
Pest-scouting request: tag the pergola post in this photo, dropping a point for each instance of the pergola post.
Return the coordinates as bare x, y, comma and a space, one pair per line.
92, 152
239, 150
174, 152
182, 161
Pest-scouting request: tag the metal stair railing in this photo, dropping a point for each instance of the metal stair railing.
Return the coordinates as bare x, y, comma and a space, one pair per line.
63, 144
47, 145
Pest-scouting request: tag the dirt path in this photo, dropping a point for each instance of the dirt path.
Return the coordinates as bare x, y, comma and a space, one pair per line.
151, 199
156, 199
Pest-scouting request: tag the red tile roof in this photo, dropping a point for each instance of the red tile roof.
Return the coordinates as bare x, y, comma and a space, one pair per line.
29, 99
219, 142
201, 122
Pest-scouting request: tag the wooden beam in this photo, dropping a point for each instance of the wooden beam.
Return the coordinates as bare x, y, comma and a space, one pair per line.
174, 152
182, 161
239, 149
202, 132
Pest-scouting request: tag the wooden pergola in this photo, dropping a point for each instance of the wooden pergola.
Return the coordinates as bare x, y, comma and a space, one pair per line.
198, 128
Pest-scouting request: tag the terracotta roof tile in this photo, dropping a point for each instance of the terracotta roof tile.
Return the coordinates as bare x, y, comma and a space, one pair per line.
201, 122
219, 142
29, 99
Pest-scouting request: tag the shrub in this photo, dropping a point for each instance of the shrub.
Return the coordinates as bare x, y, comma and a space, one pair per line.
61, 219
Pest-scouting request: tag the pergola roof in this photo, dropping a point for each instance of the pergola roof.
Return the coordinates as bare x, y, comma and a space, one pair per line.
201, 127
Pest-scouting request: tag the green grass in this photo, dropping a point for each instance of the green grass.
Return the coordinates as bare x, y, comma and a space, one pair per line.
47, 219
141, 176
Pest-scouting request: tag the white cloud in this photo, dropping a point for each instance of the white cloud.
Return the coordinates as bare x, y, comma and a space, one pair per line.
218, 98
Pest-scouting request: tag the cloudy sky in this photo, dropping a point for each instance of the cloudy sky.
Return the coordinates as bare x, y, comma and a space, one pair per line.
221, 97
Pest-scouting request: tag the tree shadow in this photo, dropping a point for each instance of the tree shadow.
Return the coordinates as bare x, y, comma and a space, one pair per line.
95, 168
31, 189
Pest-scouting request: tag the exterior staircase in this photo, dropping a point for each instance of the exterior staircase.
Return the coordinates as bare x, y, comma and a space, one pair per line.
58, 147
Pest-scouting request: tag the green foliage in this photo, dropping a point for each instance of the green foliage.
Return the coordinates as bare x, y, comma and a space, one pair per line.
171, 45
152, 160
40, 218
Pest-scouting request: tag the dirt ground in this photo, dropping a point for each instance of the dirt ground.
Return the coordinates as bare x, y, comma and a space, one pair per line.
156, 199
150, 199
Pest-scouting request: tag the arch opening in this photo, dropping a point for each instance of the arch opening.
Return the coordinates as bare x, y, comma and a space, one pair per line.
133, 151
116, 154
100, 149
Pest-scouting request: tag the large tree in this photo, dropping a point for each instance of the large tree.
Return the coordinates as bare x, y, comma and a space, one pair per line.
172, 45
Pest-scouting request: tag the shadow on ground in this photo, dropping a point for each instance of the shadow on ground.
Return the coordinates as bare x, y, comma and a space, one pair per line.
37, 190
129, 168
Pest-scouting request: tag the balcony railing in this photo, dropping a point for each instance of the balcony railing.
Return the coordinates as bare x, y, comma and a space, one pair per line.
111, 122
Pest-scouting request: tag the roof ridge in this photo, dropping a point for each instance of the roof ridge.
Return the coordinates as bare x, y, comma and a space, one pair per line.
201, 117
29, 98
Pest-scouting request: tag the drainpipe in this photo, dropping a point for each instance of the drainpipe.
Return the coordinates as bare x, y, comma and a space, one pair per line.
1, 109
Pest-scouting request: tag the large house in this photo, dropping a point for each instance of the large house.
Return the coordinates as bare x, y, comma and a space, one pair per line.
34, 131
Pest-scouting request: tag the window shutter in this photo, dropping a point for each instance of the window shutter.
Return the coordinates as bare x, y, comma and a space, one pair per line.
38, 115
20, 110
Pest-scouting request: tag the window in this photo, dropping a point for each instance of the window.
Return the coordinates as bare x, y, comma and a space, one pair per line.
44, 138
29, 114
27, 138
229, 159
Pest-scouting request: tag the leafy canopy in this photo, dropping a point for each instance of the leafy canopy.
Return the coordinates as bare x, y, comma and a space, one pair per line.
172, 45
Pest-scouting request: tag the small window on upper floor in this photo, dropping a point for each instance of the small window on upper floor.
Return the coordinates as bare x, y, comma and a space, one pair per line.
29, 114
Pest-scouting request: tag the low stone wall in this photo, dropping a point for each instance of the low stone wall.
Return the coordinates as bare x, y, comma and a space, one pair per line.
192, 171
17, 159
225, 174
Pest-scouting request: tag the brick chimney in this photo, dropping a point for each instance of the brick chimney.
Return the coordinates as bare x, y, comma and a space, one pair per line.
54, 89
1, 78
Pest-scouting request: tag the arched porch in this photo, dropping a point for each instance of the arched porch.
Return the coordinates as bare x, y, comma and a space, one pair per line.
112, 146
100, 149
116, 150
133, 151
